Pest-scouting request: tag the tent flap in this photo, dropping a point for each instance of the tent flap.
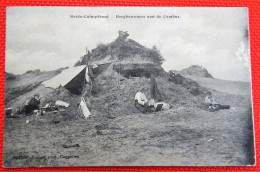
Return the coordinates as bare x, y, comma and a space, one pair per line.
64, 77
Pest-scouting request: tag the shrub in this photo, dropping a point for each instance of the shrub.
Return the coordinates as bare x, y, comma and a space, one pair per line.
156, 56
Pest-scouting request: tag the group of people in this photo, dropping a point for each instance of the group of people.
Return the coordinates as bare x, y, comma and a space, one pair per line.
141, 102
147, 106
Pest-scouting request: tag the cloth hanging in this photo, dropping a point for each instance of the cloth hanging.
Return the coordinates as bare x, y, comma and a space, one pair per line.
87, 75
84, 108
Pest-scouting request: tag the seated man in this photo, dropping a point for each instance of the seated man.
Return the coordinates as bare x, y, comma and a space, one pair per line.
212, 104
32, 104
141, 102
209, 99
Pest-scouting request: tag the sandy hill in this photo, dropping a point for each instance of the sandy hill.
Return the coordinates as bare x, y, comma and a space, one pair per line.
231, 87
18, 85
196, 70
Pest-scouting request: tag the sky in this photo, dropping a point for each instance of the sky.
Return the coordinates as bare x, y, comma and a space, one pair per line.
48, 38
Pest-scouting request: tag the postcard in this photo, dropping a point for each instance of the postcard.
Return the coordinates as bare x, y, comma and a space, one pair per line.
127, 86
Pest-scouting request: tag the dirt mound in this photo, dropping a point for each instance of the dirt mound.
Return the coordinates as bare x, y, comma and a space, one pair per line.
116, 94
196, 71
120, 50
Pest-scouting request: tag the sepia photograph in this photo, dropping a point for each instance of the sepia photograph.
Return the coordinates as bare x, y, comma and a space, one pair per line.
128, 86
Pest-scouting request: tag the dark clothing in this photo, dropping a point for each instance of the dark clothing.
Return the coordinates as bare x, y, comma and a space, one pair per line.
31, 105
34, 101
216, 107
28, 109
224, 107
155, 94
159, 107
143, 108
93, 72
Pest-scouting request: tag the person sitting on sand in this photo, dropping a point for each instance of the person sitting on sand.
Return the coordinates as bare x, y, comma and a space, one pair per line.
31, 104
212, 105
142, 104
209, 99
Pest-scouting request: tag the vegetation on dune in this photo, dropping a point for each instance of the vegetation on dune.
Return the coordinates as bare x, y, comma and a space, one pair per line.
197, 71
123, 49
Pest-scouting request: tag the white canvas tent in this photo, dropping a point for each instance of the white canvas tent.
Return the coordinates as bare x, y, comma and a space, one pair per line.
71, 78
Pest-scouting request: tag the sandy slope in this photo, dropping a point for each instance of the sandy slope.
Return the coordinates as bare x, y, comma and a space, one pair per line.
230, 87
